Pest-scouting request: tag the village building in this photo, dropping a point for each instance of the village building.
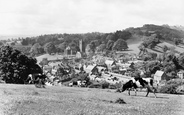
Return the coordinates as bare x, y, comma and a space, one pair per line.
47, 68
78, 55
90, 69
180, 74
69, 52
110, 64
159, 76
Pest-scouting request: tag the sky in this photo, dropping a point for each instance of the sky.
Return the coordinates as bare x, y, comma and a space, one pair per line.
36, 17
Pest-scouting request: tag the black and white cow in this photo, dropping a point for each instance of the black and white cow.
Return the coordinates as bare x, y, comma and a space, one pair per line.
139, 82
38, 79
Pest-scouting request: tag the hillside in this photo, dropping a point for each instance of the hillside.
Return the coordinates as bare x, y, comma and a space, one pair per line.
28, 100
133, 37
180, 27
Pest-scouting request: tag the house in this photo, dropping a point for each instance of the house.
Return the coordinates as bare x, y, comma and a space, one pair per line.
180, 74
69, 51
47, 68
91, 69
160, 75
78, 55
110, 64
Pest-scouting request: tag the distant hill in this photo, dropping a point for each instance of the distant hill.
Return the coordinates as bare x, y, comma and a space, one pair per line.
6, 37
180, 28
133, 37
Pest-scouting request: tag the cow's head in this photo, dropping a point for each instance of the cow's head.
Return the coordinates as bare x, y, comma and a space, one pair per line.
127, 85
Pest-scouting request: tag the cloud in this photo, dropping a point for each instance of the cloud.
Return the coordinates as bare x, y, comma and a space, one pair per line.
80, 16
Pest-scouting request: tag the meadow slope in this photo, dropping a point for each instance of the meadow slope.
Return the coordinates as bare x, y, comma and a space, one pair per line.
61, 100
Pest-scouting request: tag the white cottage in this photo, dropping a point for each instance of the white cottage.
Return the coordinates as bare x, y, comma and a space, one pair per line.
180, 74
160, 75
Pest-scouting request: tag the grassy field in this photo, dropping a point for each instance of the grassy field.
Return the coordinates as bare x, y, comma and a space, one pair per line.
60, 100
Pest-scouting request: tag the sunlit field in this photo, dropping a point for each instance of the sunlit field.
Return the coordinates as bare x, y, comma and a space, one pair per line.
61, 100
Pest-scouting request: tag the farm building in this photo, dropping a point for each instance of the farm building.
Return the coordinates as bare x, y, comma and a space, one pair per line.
89, 68
160, 75
180, 74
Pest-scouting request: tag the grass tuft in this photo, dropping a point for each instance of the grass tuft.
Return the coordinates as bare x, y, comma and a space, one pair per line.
120, 101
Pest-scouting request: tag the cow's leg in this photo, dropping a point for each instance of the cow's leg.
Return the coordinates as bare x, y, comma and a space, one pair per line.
129, 91
135, 91
154, 92
147, 92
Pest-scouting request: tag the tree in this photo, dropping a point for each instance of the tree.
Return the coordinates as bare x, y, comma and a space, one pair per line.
150, 41
1, 43
24, 42
165, 48
110, 37
120, 45
176, 41
49, 48
44, 62
143, 50
101, 48
153, 55
153, 66
15, 67
74, 46
61, 47
125, 35
89, 51
181, 60
109, 45
160, 58
36, 49
93, 46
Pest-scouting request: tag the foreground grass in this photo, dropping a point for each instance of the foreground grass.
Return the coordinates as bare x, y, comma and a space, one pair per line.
28, 100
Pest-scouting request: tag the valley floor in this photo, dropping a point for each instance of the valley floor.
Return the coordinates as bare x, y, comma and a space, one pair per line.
61, 100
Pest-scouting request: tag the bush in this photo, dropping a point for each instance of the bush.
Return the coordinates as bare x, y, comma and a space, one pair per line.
95, 86
102, 85
172, 86
180, 89
176, 81
171, 89
118, 85
105, 85
111, 86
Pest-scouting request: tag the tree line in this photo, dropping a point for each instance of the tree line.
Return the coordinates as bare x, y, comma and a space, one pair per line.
100, 42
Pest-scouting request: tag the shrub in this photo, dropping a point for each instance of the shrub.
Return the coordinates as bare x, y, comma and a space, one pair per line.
95, 85
172, 86
176, 81
102, 85
180, 89
105, 85
118, 85
111, 86
171, 89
